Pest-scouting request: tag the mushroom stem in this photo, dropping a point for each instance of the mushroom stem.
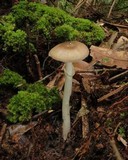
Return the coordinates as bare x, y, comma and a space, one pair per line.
69, 72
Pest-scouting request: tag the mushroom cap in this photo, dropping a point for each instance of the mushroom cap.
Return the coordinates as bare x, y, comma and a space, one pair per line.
71, 51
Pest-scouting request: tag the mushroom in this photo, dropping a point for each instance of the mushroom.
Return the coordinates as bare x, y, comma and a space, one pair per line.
68, 52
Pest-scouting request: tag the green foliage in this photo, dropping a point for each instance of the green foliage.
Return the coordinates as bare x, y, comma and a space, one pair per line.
35, 98
50, 96
65, 5
11, 38
27, 20
15, 40
121, 131
123, 115
21, 106
66, 32
20, 13
120, 4
7, 23
13, 79
32, 97
66, 27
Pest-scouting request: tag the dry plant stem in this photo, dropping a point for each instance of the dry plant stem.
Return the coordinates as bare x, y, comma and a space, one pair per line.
118, 76
79, 4
115, 149
2, 132
69, 72
28, 66
111, 8
114, 24
38, 66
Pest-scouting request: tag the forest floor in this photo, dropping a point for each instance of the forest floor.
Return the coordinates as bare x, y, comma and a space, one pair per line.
99, 110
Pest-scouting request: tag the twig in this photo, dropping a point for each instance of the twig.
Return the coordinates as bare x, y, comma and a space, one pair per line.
39, 114
79, 4
115, 149
38, 66
3, 132
119, 75
114, 24
111, 8
111, 93
28, 66
119, 102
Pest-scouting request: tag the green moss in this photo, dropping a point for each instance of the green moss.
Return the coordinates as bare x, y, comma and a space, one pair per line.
54, 23
22, 105
50, 96
16, 40
34, 99
27, 21
30, 99
13, 79
66, 32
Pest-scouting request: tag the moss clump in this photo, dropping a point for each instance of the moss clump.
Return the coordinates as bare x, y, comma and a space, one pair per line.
28, 20
12, 79
22, 105
34, 99
15, 40
66, 32
50, 96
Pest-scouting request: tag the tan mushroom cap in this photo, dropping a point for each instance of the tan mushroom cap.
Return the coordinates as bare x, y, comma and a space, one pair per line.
71, 51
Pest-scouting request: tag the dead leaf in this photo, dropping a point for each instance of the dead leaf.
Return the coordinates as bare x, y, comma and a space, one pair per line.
110, 57
19, 129
86, 81
82, 66
75, 86
112, 38
122, 43
55, 80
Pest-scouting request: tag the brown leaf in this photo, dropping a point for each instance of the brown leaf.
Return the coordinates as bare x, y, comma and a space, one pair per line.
82, 66
110, 57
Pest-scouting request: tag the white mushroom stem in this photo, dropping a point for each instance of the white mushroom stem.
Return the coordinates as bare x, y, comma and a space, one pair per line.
69, 72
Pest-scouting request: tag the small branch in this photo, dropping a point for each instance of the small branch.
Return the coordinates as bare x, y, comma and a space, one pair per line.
38, 66
114, 24
79, 4
119, 75
111, 93
115, 149
119, 102
3, 130
28, 66
111, 8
